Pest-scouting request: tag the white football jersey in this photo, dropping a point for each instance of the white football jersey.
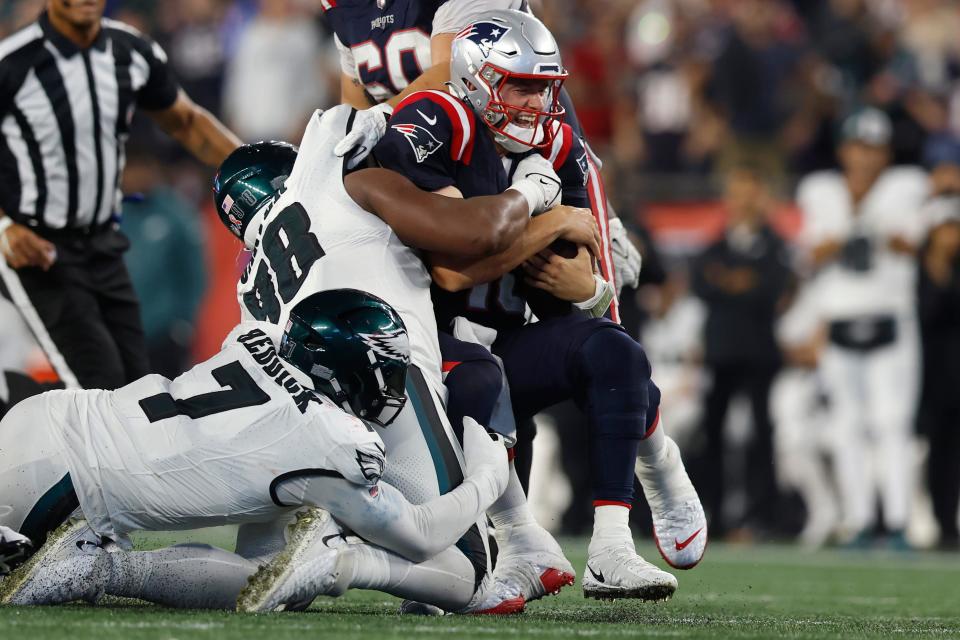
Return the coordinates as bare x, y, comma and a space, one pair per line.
316, 238
210, 446
891, 208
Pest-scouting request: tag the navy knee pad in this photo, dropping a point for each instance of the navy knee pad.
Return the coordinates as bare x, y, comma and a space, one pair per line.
615, 394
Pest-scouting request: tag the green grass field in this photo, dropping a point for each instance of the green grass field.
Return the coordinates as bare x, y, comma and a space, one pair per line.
737, 592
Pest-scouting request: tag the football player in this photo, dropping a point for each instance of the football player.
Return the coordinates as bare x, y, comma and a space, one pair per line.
288, 263
391, 48
277, 420
862, 225
342, 244
310, 228
506, 74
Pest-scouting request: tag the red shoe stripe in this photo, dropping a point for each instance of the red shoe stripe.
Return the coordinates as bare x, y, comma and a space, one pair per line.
507, 607
553, 580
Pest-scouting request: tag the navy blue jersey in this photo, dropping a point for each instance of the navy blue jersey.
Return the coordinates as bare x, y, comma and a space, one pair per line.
436, 141
390, 46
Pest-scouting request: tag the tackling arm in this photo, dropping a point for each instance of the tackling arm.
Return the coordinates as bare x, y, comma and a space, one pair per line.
387, 519
456, 273
473, 227
382, 515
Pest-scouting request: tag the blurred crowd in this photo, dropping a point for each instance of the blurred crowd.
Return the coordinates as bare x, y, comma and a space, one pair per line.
743, 103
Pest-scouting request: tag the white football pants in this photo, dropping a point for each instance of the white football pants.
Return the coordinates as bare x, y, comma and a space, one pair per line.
873, 397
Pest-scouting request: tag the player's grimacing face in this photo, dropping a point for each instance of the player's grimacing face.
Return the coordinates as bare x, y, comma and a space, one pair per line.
528, 94
79, 13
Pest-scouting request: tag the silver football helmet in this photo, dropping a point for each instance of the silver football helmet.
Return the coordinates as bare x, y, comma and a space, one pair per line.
500, 46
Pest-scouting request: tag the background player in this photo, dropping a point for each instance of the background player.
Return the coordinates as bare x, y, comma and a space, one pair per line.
251, 434
861, 227
504, 83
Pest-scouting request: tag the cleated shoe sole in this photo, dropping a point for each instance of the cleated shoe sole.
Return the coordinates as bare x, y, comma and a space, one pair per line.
651, 593
62, 585
277, 584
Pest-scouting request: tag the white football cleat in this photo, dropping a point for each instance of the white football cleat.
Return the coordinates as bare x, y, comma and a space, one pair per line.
495, 598
70, 566
679, 524
618, 571
315, 562
531, 562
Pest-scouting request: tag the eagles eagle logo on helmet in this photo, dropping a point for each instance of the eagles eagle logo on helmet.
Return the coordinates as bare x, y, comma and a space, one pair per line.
391, 344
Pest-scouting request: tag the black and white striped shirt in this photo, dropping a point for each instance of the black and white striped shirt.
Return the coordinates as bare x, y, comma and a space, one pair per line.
64, 117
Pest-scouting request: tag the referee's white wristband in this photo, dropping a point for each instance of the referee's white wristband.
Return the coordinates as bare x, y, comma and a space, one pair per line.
5, 223
597, 305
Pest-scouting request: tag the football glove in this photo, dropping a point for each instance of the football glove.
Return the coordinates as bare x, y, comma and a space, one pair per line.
627, 261
484, 454
368, 127
538, 182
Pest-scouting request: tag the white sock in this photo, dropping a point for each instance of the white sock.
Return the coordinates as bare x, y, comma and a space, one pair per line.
511, 509
445, 580
611, 526
653, 444
191, 576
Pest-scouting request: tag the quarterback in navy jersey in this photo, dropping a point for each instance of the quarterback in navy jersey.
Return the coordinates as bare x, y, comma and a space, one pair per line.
506, 75
391, 48
438, 143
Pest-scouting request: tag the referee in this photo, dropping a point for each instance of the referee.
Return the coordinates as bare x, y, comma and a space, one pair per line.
69, 83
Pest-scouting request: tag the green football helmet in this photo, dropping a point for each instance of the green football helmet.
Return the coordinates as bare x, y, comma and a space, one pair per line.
248, 178
354, 347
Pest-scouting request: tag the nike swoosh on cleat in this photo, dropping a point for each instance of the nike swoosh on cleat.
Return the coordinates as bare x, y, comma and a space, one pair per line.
596, 574
430, 121
683, 545
330, 537
82, 544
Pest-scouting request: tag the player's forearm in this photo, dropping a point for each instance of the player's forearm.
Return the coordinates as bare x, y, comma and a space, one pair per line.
352, 93
419, 532
388, 519
472, 228
435, 223
453, 273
